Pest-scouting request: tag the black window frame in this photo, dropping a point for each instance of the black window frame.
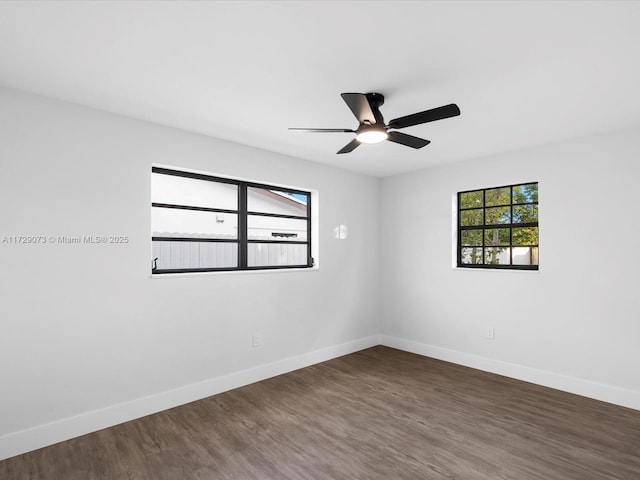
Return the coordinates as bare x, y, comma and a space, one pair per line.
243, 214
484, 226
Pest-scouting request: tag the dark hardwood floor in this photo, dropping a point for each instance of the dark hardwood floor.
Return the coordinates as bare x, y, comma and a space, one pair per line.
376, 414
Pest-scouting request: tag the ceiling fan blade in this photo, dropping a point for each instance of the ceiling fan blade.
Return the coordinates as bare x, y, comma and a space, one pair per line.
349, 147
359, 105
408, 140
323, 130
432, 115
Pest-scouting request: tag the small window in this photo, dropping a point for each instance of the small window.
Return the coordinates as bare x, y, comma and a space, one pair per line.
202, 223
498, 227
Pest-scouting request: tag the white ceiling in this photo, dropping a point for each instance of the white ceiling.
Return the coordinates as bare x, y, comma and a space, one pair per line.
523, 73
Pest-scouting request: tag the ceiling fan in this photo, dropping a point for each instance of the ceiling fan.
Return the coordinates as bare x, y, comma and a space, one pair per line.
372, 129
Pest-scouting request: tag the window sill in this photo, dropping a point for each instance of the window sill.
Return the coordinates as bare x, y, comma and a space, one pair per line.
235, 272
494, 270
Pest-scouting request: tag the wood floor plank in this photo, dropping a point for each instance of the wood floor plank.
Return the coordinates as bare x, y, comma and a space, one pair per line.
376, 414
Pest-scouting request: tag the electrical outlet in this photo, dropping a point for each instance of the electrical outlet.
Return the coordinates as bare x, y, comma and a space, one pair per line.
490, 333
256, 339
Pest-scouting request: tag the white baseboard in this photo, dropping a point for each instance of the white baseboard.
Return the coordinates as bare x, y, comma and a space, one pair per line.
40, 436
598, 391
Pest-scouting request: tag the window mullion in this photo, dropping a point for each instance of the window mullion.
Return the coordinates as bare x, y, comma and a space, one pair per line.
459, 228
310, 261
243, 236
484, 223
511, 228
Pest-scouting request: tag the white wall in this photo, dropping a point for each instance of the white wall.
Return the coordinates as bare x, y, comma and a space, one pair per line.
88, 338
573, 325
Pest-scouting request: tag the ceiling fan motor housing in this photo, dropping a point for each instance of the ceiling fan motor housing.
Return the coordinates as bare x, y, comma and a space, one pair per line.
376, 100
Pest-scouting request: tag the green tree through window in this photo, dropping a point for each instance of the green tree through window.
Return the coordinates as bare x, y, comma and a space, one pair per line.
498, 227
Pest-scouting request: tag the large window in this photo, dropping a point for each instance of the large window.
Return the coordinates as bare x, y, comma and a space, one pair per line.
498, 227
203, 223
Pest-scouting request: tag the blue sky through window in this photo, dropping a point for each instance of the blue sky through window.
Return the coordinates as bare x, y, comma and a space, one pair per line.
300, 197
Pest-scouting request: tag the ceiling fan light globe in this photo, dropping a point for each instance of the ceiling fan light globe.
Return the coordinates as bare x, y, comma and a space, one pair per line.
372, 136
